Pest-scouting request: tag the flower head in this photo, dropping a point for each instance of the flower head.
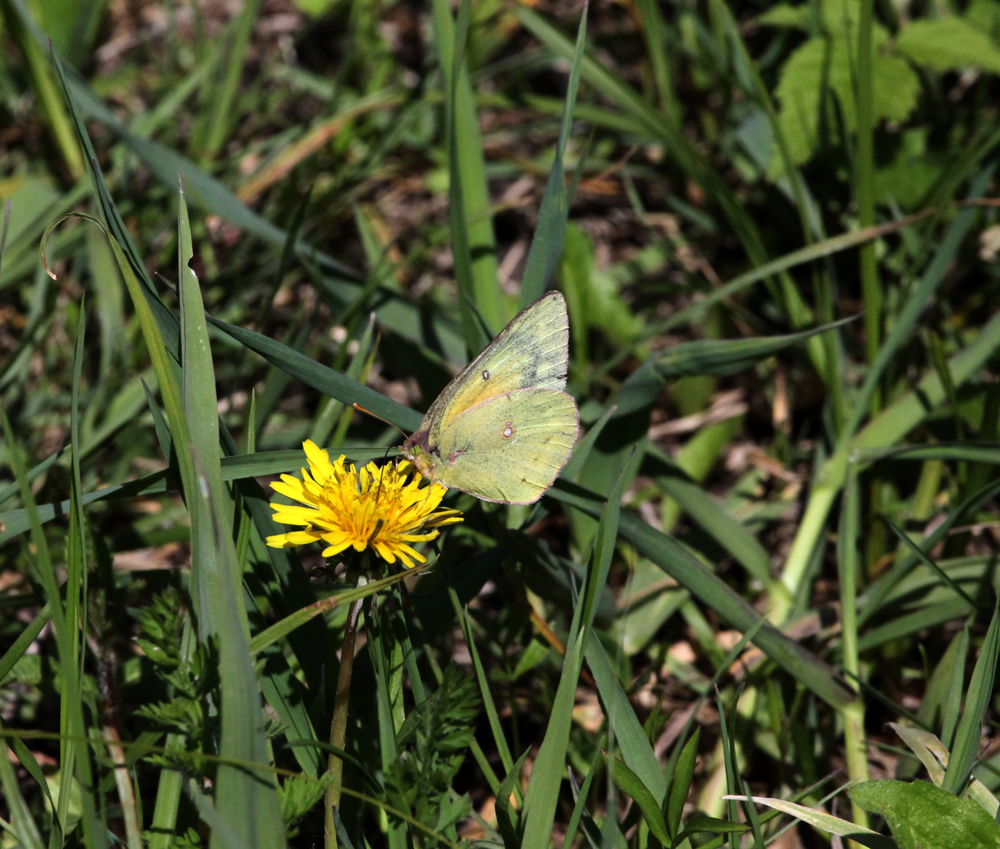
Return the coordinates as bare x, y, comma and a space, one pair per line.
379, 507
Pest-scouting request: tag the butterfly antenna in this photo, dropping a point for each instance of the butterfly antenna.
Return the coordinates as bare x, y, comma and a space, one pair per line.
374, 416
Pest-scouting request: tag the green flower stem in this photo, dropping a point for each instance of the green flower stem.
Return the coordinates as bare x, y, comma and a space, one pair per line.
338, 725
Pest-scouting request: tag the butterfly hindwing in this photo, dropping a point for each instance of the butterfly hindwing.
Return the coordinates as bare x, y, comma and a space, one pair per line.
511, 447
503, 428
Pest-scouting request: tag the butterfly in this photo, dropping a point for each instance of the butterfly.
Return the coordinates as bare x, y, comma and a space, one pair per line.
503, 428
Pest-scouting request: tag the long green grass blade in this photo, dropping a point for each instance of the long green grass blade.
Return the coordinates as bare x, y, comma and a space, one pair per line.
550, 233
689, 572
968, 735
246, 801
472, 240
546, 777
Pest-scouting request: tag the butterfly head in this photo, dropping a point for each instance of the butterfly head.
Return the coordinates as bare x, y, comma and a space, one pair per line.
418, 451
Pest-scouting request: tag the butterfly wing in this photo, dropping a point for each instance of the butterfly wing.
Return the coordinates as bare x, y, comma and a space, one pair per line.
531, 352
508, 448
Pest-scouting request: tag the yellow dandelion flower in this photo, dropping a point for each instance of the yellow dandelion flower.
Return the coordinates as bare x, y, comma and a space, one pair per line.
379, 507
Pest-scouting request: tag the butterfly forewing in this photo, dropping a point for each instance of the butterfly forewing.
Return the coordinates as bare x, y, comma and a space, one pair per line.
530, 352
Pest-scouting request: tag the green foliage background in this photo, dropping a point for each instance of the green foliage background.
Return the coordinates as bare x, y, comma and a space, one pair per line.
774, 228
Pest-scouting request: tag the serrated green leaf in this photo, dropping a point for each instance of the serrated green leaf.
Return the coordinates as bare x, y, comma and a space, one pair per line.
828, 61
948, 44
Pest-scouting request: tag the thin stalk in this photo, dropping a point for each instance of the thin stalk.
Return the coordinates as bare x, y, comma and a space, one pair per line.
853, 712
338, 725
871, 293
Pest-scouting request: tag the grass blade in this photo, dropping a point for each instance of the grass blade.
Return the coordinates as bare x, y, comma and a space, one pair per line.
968, 736
550, 233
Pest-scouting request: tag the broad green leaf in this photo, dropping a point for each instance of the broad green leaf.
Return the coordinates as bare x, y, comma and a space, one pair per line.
783, 15
820, 70
923, 816
934, 756
948, 44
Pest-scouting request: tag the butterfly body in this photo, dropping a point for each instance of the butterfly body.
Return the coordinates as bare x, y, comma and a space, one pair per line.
503, 428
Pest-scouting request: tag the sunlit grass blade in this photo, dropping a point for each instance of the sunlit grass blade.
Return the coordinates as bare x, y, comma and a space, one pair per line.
550, 232
472, 241
885, 429
210, 575
823, 821
247, 803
